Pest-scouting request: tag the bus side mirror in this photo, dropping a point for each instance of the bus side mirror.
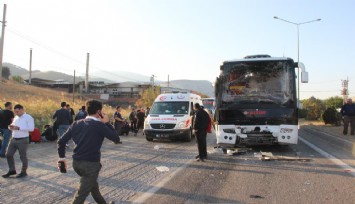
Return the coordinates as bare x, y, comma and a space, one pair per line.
304, 77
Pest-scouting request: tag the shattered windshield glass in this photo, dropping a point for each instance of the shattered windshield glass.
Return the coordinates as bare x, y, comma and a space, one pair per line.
208, 103
269, 82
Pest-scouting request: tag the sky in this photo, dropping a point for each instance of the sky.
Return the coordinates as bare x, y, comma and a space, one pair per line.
185, 39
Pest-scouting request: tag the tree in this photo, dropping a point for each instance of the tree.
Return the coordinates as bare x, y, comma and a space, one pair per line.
314, 108
333, 102
148, 96
6, 73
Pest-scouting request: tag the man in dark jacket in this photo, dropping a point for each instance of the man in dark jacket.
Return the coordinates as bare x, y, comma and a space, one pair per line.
201, 121
133, 119
348, 113
88, 135
63, 119
6, 119
140, 120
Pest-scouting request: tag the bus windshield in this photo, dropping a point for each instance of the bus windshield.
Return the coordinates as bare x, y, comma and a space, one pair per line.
167, 108
258, 82
208, 103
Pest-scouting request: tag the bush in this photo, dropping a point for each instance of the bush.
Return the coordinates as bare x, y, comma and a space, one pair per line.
314, 108
302, 113
331, 116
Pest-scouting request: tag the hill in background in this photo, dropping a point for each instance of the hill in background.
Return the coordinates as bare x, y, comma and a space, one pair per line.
201, 86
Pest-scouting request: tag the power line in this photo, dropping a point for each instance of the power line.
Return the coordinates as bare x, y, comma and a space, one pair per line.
26, 37
43, 46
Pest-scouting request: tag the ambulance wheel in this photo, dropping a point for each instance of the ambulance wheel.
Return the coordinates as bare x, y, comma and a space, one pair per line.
188, 136
149, 139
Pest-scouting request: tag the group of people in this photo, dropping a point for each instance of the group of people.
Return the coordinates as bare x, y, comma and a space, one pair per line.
136, 117
87, 134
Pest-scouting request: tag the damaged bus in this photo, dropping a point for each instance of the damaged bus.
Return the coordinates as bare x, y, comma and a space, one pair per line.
256, 101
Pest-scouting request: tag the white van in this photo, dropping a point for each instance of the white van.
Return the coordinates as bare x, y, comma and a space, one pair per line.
171, 116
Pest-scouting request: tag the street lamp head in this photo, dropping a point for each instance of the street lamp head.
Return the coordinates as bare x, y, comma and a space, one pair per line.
275, 17
319, 19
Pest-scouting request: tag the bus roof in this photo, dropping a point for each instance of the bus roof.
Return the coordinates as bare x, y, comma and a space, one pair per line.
259, 59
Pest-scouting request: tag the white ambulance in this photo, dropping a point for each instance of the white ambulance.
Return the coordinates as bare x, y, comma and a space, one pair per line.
171, 116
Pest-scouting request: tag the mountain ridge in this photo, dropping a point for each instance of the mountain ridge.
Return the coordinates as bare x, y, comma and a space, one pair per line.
201, 86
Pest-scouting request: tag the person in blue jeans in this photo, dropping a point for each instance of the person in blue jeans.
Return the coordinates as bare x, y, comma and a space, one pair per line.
6, 119
63, 119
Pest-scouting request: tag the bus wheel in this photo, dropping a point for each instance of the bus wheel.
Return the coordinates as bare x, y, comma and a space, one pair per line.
149, 139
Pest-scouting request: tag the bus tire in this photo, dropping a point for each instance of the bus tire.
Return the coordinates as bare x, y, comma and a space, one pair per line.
148, 139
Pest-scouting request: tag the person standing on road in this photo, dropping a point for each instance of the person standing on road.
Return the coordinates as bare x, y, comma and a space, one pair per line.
140, 118
348, 113
200, 126
21, 127
6, 119
118, 120
81, 114
88, 136
133, 119
71, 111
147, 110
63, 119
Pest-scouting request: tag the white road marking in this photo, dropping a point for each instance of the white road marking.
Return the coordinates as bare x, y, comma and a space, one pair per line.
146, 195
336, 161
329, 135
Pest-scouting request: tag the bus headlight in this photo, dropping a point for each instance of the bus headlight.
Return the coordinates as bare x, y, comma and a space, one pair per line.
232, 131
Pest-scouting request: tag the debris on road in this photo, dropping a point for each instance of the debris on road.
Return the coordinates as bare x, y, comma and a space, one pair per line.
238, 151
268, 156
256, 196
216, 150
157, 147
162, 168
307, 183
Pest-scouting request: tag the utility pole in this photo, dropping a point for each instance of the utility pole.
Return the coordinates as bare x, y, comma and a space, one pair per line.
152, 80
30, 79
87, 73
168, 81
345, 91
2, 40
74, 88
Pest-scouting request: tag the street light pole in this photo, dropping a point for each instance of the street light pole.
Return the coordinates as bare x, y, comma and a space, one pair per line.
298, 48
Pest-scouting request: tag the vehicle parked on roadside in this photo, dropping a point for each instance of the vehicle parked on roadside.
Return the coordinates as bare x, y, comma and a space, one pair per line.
171, 116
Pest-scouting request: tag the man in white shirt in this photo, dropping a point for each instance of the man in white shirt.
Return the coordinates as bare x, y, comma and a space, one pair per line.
20, 127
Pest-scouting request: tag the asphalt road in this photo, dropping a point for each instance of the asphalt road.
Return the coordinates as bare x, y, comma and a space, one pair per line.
138, 171
247, 179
